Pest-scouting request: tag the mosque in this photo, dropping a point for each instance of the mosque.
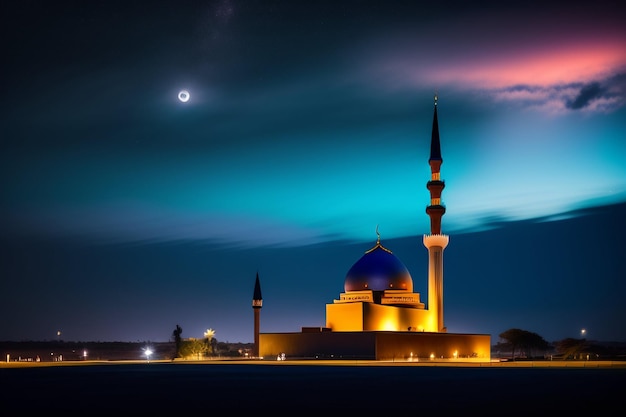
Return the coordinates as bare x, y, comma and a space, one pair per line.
378, 316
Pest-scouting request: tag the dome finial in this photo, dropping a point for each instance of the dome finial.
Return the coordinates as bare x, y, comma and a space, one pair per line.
378, 245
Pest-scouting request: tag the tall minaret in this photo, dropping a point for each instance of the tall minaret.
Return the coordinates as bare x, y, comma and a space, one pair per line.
257, 303
436, 242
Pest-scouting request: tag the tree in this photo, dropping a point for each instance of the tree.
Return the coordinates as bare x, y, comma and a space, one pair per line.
524, 340
177, 340
570, 348
198, 348
194, 348
209, 338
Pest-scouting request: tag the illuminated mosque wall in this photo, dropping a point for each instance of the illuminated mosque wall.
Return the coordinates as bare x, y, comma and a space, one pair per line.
378, 316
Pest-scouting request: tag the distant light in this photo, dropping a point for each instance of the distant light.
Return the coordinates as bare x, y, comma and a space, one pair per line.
184, 96
147, 351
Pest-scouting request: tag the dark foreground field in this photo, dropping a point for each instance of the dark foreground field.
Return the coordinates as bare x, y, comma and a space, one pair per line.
283, 388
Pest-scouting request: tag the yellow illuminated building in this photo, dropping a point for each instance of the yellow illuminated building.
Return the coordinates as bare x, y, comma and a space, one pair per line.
379, 297
378, 316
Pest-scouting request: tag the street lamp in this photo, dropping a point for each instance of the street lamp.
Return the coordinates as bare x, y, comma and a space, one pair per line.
147, 351
583, 332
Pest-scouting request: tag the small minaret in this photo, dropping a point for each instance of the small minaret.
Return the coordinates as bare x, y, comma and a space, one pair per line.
436, 242
257, 303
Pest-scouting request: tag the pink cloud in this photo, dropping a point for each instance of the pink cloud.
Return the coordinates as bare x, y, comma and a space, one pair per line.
556, 66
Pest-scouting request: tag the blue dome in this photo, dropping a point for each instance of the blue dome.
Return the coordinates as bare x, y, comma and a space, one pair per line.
378, 270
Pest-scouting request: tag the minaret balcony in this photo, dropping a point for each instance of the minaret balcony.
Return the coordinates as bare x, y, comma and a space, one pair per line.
436, 208
436, 184
436, 241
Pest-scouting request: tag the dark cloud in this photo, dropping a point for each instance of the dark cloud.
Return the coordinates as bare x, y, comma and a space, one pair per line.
611, 91
587, 94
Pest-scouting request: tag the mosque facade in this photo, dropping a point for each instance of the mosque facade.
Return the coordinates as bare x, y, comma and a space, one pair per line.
378, 316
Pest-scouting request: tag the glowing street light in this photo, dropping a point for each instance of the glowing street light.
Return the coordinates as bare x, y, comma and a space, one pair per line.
209, 334
147, 351
583, 332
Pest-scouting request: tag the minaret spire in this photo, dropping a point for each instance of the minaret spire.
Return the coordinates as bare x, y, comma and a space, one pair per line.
435, 146
436, 242
257, 304
435, 210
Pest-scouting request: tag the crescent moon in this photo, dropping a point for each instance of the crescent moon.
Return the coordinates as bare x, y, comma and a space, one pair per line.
184, 96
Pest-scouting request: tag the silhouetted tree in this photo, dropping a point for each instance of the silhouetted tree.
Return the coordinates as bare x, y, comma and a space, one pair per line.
524, 340
570, 348
535, 342
209, 339
177, 340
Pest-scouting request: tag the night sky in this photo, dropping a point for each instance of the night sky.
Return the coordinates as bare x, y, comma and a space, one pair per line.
125, 212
